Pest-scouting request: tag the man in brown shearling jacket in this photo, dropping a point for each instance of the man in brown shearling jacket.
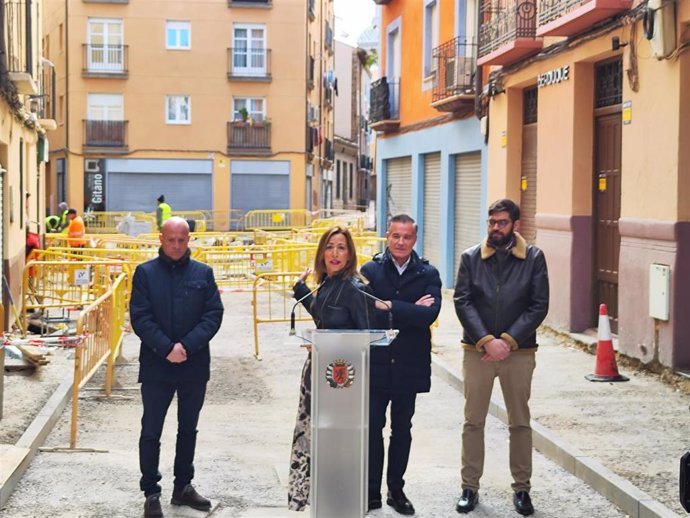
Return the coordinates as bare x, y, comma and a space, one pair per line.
501, 298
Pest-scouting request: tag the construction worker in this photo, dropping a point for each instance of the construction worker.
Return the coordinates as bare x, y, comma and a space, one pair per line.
163, 212
75, 229
62, 214
52, 223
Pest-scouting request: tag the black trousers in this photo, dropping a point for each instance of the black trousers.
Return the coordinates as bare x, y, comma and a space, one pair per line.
402, 410
157, 398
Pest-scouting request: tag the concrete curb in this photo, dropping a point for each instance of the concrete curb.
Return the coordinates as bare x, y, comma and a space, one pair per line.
631, 500
35, 435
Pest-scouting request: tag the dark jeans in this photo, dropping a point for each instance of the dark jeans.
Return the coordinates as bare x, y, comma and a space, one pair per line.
156, 398
402, 410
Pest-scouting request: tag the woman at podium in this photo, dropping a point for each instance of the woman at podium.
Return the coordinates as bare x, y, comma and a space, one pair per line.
336, 303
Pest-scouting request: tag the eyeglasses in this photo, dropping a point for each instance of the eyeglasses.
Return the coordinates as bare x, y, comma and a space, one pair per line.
500, 223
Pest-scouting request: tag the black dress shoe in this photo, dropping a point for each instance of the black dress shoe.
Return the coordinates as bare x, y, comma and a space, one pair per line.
374, 501
399, 502
189, 497
152, 506
523, 503
467, 502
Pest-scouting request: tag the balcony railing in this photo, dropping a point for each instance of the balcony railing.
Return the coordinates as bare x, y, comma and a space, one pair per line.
456, 66
46, 100
249, 64
105, 134
384, 110
328, 95
504, 24
249, 138
568, 17
105, 60
365, 162
329, 150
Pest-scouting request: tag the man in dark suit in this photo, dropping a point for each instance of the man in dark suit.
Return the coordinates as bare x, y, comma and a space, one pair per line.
175, 310
411, 291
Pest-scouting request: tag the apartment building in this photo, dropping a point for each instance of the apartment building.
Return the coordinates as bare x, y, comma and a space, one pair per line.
321, 83
430, 153
589, 124
26, 101
205, 102
353, 164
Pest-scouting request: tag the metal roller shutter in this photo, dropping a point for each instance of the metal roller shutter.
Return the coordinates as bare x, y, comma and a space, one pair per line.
399, 188
468, 190
138, 191
432, 208
260, 191
528, 197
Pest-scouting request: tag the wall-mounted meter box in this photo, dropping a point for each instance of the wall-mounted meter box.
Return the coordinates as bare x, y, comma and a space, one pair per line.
659, 291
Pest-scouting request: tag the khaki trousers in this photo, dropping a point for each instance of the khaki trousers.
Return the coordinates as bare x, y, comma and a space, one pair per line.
515, 376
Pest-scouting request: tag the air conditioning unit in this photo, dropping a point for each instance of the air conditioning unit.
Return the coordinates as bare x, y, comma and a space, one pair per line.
660, 27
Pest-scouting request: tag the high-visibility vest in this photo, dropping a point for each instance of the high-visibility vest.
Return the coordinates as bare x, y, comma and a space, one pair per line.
63, 219
52, 223
165, 212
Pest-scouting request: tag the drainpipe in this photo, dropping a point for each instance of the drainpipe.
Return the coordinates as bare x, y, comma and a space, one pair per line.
478, 72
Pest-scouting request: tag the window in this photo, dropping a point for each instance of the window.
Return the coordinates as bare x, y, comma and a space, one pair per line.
249, 50
105, 49
105, 107
431, 35
178, 109
178, 35
255, 109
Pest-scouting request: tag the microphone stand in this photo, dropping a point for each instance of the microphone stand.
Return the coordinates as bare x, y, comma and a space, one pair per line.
386, 303
293, 332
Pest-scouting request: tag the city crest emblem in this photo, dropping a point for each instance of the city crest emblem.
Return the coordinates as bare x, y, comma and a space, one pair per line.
340, 374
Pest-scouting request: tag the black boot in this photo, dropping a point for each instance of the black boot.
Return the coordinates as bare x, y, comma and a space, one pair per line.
152, 506
189, 497
467, 502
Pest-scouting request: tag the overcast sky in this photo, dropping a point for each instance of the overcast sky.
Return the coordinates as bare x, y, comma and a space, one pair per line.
352, 17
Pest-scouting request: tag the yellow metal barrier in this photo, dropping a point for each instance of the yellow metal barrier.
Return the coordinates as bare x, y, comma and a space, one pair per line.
101, 327
238, 266
108, 222
277, 219
67, 284
272, 302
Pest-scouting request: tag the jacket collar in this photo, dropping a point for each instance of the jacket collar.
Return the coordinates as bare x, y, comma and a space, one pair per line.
414, 259
519, 248
170, 263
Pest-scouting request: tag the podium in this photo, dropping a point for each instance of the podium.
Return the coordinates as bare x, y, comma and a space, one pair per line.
340, 420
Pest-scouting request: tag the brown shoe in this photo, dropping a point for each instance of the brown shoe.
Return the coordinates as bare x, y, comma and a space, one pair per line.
152, 506
189, 497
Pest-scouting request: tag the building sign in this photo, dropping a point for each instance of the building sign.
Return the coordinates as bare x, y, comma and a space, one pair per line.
94, 184
555, 76
627, 112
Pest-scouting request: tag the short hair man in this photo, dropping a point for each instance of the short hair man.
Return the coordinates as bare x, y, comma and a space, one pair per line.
501, 298
411, 289
175, 310
76, 229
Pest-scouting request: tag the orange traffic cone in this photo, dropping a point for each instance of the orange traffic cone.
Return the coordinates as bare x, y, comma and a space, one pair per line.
606, 368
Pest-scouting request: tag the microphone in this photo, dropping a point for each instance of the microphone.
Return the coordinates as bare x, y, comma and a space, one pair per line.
386, 303
292, 312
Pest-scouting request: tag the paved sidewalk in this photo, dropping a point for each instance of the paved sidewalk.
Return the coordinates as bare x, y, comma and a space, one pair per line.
624, 439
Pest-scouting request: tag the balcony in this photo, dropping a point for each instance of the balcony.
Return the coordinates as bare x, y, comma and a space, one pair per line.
328, 95
245, 138
16, 31
105, 135
365, 163
312, 10
260, 4
250, 65
569, 17
384, 110
108, 61
328, 152
507, 31
456, 66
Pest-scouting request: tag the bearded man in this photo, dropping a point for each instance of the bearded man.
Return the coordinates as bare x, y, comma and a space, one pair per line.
501, 297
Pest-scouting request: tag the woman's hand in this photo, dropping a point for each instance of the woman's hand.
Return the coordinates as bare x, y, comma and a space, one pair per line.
306, 273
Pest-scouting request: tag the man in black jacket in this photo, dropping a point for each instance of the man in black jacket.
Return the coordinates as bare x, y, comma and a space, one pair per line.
175, 310
411, 290
501, 298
